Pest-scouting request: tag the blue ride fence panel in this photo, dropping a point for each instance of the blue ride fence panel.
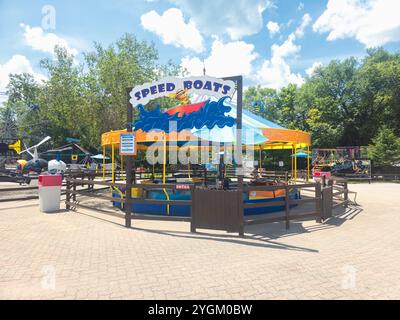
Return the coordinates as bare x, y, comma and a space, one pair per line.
185, 210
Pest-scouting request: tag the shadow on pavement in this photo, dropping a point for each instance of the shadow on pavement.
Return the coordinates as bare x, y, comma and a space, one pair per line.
260, 235
265, 243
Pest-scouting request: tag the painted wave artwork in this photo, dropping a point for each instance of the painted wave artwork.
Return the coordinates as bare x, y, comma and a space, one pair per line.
212, 114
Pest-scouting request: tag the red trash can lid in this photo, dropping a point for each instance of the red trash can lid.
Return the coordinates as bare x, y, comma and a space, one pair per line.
48, 180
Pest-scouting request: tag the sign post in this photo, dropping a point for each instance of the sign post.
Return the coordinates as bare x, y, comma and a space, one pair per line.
129, 163
238, 80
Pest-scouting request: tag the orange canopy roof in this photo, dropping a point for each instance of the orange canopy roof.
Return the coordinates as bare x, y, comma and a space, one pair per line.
277, 138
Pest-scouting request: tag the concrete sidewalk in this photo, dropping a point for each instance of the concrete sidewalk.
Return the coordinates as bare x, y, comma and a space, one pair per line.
86, 255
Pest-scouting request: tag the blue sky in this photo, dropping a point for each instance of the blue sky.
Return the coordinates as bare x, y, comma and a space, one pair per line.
270, 42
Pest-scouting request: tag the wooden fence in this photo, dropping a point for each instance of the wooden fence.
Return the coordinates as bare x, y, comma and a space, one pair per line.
288, 204
20, 191
71, 199
218, 209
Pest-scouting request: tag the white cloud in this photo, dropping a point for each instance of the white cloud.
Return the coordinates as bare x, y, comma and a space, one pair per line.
276, 72
238, 18
172, 29
273, 27
39, 40
18, 64
288, 48
371, 22
225, 59
310, 71
305, 21
300, 7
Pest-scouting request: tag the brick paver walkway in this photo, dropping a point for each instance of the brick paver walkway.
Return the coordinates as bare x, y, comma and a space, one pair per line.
87, 255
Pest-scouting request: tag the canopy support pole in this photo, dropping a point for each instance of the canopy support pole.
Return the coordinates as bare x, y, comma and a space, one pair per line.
164, 159
295, 164
122, 167
189, 167
104, 163
292, 164
112, 163
308, 163
165, 169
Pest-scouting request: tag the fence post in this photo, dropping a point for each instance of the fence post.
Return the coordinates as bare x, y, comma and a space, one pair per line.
68, 195
327, 202
346, 192
192, 210
128, 205
324, 181
318, 202
74, 189
241, 213
287, 207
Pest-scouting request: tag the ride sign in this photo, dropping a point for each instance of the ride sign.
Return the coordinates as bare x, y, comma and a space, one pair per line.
202, 85
127, 144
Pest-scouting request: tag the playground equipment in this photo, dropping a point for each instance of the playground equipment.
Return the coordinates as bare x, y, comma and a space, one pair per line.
36, 164
16, 146
11, 168
71, 153
351, 162
203, 122
56, 167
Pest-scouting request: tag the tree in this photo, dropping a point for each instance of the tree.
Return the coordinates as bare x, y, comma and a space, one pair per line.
8, 123
268, 97
23, 94
84, 100
336, 98
346, 102
385, 147
22, 88
112, 70
290, 112
379, 89
343, 103
63, 106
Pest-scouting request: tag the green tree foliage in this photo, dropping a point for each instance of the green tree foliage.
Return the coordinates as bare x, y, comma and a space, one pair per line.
8, 123
265, 95
84, 100
385, 148
23, 94
343, 103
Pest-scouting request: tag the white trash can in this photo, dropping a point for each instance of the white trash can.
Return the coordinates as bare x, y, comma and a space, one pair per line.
49, 192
